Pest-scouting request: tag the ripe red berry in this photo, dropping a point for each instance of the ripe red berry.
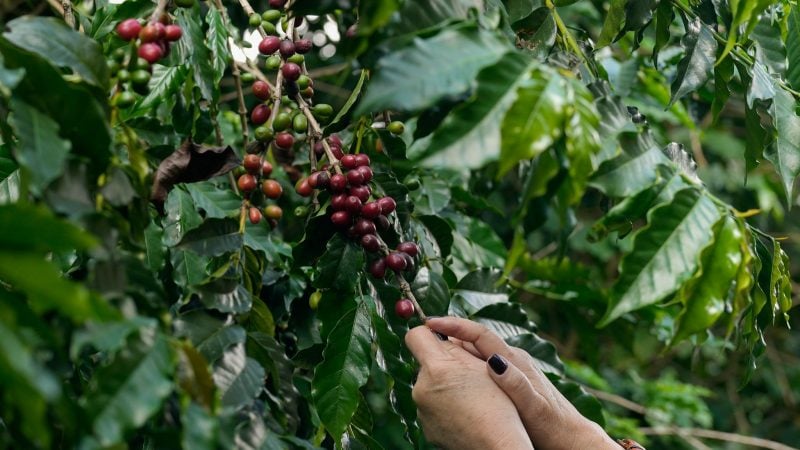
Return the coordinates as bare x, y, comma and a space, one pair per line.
303, 188
260, 114
286, 48
362, 192
284, 140
370, 243
349, 161
338, 182
378, 268
261, 90
337, 152
128, 29
409, 261
266, 169
334, 139
302, 46
404, 308
150, 52
269, 45
273, 212
150, 33
271, 189
172, 32
355, 178
365, 226
353, 204
339, 202
396, 261
387, 204
252, 163
382, 222
362, 159
246, 183
341, 218
409, 248
371, 210
323, 179
366, 172
255, 216
277, 4
291, 71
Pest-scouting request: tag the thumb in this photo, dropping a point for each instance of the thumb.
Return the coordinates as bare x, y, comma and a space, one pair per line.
530, 403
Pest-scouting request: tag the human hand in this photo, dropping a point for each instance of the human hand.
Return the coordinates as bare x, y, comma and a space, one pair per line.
550, 419
458, 406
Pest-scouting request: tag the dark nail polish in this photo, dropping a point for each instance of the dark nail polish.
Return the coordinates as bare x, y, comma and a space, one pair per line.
498, 364
440, 336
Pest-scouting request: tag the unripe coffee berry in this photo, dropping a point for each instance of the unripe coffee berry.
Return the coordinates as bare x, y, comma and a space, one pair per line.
254, 20
269, 45
404, 308
261, 90
396, 128
273, 212
246, 183
271, 15
273, 62
370, 243
409, 248
341, 218
396, 261
264, 134
271, 189
255, 216
128, 29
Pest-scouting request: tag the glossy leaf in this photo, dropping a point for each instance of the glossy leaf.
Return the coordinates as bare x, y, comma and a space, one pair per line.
665, 253
217, 39
238, 377
212, 238
431, 292
697, 64
226, 295
447, 61
344, 369
340, 265
793, 48
192, 47
784, 154
613, 23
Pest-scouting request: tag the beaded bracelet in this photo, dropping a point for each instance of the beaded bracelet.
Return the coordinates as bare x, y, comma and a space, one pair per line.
629, 444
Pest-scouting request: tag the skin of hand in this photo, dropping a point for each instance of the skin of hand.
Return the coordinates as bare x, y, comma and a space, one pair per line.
458, 406
551, 421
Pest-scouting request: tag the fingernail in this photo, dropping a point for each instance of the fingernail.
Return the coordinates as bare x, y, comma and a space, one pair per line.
440, 336
427, 318
498, 364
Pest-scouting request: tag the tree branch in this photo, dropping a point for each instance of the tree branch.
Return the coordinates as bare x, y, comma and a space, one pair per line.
718, 436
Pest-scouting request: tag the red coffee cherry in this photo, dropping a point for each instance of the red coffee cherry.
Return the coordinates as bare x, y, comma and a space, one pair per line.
378, 268
286, 48
128, 29
396, 261
269, 45
277, 4
362, 159
355, 178
303, 46
151, 32
341, 218
365, 226
247, 183
284, 140
271, 189
303, 188
150, 52
371, 210
266, 169
261, 90
352, 204
387, 205
349, 161
362, 192
382, 222
366, 172
172, 32
404, 308
339, 202
370, 243
291, 71
255, 216
338, 182
252, 163
409, 248
260, 114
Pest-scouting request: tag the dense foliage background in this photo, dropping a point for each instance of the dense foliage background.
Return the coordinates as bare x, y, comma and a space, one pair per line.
606, 184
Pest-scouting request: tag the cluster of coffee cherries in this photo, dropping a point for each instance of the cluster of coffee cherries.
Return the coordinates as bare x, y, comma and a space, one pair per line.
151, 43
256, 170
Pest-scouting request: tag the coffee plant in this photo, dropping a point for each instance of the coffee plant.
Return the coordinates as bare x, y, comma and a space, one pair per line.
219, 218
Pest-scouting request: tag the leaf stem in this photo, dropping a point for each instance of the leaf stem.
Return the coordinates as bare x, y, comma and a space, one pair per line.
315, 132
570, 40
69, 15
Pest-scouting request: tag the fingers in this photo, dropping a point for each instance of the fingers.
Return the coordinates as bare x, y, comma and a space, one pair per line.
518, 388
424, 345
483, 339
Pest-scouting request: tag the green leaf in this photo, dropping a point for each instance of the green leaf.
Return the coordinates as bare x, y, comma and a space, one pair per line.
214, 202
543, 351
470, 134
770, 48
613, 23
189, 267
9, 78
106, 18
344, 369
193, 49
375, 14
340, 266
126, 393
665, 15
30, 228
40, 150
433, 196
697, 64
339, 122
448, 62
744, 11
784, 154
209, 334
213, 238
226, 295
155, 253
424, 14
536, 119
239, 378
706, 294
476, 291
665, 253
217, 38
21, 368
627, 175
199, 428
164, 86
55, 42
793, 48
109, 337
587, 405
431, 292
